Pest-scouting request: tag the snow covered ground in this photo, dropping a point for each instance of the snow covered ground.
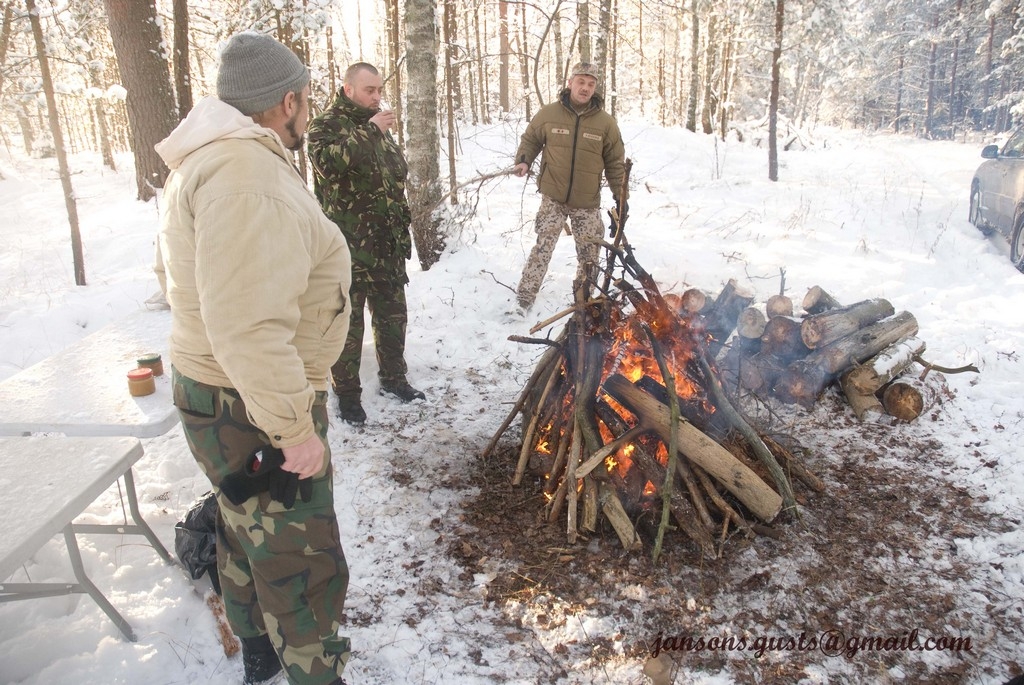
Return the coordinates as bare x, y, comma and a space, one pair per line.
863, 216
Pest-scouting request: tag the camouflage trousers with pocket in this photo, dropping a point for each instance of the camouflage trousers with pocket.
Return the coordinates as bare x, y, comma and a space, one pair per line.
388, 319
282, 571
551, 217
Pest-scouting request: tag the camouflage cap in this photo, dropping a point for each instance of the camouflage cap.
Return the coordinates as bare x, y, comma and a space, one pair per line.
585, 69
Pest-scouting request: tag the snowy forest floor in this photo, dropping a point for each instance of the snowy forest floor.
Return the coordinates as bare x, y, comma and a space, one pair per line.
888, 520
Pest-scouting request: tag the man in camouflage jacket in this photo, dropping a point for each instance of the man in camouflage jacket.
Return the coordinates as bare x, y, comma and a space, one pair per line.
359, 178
579, 141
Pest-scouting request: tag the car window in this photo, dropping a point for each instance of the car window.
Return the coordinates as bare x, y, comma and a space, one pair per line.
1015, 145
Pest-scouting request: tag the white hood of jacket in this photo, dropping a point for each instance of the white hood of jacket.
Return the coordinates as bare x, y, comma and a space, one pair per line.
211, 120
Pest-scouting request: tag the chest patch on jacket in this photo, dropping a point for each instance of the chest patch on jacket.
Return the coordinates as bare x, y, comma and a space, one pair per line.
560, 131
591, 136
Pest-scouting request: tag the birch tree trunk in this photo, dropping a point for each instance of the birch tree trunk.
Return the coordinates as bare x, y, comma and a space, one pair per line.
503, 55
5, 39
481, 73
332, 70
691, 107
899, 90
524, 67
451, 78
613, 58
424, 147
583, 13
929, 107
773, 100
986, 81
556, 32
710, 105
452, 51
58, 142
601, 41
728, 49
394, 51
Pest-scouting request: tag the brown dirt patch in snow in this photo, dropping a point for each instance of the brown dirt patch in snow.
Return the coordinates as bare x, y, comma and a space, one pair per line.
874, 556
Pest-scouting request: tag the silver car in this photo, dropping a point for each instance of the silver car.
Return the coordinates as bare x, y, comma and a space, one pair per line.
997, 194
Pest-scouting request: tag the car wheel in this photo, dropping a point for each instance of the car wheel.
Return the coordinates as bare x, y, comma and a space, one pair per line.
1017, 242
974, 215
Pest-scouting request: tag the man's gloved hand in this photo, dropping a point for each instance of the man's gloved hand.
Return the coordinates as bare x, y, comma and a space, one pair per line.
285, 485
263, 473
615, 214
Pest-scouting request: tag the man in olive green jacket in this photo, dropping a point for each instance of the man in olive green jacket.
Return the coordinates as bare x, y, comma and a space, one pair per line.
579, 141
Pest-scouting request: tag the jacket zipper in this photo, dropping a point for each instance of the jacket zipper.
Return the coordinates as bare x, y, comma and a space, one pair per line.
572, 165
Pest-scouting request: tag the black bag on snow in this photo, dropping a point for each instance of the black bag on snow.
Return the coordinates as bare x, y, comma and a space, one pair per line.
195, 539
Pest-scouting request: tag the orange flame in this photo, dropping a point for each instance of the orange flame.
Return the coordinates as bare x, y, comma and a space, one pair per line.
630, 355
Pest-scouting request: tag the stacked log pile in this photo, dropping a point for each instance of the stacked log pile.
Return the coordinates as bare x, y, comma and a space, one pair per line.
867, 348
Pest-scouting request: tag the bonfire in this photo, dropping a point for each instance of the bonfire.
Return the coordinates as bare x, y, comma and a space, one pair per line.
625, 417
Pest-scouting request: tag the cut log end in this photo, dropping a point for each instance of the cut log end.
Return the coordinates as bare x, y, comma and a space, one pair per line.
903, 400
817, 300
779, 305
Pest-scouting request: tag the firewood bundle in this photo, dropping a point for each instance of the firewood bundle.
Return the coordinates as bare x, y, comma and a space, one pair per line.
867, 348
625, 418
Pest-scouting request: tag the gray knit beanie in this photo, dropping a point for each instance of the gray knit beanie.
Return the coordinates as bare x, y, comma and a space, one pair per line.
256, 71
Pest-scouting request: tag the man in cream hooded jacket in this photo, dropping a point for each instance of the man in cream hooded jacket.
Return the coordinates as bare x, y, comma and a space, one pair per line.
257, 279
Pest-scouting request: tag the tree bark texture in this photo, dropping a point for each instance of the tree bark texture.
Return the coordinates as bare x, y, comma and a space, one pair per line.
691, 107
870, 376
424, 148
182, 69
782, 339
819, 330
146, 77
866, 406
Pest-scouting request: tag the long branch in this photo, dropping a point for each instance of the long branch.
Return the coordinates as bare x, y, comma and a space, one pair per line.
753, 439
549, 357
970, 368
620, 221
670, 469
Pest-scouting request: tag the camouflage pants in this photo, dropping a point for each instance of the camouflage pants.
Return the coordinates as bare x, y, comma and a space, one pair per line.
586, 228
282, 571
388, 319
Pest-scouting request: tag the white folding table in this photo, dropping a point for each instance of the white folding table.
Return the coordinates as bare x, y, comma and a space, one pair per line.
82, 394
83, 390
49, 481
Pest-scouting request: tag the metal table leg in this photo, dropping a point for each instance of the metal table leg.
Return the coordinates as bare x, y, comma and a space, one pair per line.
85, 585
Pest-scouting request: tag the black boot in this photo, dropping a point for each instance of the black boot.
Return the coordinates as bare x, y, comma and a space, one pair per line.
350, 410
260, 660
402, 390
